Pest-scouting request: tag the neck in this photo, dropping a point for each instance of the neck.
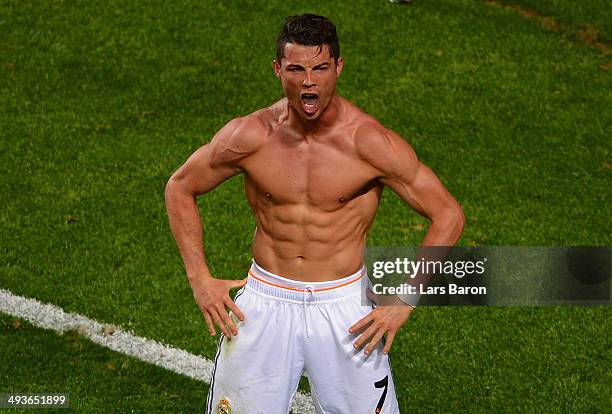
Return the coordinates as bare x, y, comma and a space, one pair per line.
327, 119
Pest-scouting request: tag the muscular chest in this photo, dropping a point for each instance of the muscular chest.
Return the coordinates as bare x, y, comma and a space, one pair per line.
313, 173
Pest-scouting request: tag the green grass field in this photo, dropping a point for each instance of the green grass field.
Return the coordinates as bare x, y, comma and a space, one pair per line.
101, 101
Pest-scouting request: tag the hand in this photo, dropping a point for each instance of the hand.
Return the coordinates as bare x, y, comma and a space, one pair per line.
383, 319
212, 296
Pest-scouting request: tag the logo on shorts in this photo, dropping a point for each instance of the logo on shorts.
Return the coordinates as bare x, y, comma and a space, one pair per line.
224, 407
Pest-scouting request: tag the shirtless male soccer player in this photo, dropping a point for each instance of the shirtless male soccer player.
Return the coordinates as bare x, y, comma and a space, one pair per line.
314, 167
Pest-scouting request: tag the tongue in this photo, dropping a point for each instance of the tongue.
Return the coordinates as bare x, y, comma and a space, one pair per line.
309, 104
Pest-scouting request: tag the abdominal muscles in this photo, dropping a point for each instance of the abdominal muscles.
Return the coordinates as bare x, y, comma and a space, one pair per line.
310, 243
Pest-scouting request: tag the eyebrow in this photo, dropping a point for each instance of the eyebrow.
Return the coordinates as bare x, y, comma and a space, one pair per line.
296, 66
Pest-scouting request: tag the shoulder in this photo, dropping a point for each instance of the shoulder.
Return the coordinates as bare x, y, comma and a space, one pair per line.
369, 135
239, 138
383, 148
243, 133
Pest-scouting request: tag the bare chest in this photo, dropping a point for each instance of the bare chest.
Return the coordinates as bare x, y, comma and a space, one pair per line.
321, 174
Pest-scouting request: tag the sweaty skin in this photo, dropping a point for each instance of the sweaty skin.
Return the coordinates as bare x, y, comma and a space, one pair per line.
315, 167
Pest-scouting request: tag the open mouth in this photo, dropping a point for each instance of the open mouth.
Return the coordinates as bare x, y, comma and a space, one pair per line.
310, 102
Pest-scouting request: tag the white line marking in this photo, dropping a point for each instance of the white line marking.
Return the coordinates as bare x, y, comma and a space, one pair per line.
177, 360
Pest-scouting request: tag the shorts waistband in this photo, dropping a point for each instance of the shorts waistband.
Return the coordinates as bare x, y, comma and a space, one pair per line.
280, 287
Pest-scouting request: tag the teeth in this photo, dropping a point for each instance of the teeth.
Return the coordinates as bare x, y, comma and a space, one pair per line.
309, 100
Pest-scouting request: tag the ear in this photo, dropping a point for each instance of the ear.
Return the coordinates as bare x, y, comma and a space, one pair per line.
277, 68
339, 66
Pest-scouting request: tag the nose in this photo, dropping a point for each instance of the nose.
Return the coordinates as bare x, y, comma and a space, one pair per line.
308, 81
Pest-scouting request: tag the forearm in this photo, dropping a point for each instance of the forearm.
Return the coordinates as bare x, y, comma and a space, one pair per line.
187, 229
443, 233
446, 228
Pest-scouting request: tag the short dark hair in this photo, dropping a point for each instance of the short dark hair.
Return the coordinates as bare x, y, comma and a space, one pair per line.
308, 30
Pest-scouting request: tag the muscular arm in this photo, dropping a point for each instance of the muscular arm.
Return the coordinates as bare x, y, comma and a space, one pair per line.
414, 182
208, 167
418, 186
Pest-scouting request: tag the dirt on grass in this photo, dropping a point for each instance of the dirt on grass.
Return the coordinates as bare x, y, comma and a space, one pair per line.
587, 35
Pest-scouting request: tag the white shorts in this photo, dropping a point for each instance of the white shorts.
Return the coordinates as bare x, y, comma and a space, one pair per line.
291, 328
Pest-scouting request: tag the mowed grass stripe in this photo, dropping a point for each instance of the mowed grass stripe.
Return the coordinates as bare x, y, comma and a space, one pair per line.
49, 316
